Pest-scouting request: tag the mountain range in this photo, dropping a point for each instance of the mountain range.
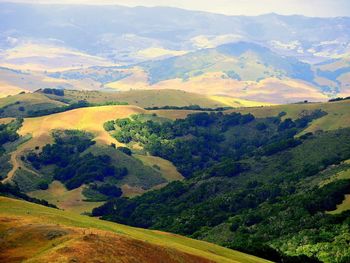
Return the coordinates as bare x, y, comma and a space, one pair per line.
270, 58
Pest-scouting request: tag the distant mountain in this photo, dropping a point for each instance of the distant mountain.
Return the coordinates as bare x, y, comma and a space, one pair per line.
268, 58
240, 61
120, 33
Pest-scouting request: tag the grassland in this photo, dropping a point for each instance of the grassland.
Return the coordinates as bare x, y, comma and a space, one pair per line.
41, 234
141, 177
236, 103
72, 201
6, 120
8, 89
167, 169
29, 99
89, 119
338, 114
345, 205
161, 97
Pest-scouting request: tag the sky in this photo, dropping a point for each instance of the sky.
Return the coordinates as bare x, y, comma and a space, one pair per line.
318, 8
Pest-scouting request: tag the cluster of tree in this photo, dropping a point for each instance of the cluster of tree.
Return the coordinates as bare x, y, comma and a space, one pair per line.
339, 99
102, 192
57, 92
8, 133
75, 105
72, 167
190, 107
204, 139
13, 191
266, 199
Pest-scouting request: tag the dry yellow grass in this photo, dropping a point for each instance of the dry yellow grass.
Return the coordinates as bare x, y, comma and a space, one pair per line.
40, 57
7, 89
132, 191
29, 99
168, 170
6, 120
43, 234
235, 102
88, 119
72, 201
270, 90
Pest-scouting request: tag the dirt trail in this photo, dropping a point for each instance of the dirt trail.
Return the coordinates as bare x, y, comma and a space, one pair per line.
89, 119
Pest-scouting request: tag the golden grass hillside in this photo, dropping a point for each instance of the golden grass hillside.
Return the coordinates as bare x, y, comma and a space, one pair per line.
29, 99
270, 90
35, 233
162, 97
88, 119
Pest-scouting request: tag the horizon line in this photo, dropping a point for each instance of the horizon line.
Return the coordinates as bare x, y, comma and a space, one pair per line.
170, 7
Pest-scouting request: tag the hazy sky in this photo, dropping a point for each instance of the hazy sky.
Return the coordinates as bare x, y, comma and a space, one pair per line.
232, 7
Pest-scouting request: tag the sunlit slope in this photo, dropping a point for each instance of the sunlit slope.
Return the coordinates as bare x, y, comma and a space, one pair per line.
29, 99
162, 97
268, 90
88, 119
41, 234
338, 113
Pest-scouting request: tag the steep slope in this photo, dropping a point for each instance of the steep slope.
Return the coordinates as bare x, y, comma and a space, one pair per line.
40, 234
253, 184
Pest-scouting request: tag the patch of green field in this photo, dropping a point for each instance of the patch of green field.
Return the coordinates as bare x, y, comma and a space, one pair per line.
37, 213
344, 206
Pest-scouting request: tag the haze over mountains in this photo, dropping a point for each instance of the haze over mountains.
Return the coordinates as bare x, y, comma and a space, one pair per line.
233, 130
291, 58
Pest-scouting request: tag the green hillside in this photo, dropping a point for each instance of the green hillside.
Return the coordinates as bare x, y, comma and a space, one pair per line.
62, 236
338, 114
240, 61
255, 183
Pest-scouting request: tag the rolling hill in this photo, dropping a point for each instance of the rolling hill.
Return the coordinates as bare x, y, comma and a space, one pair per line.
36, 233
39, 133
143, 30
229, 170
256, 184
44, 101
269, 58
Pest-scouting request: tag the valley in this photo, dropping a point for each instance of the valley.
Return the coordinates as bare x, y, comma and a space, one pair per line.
144, 133
154, 169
